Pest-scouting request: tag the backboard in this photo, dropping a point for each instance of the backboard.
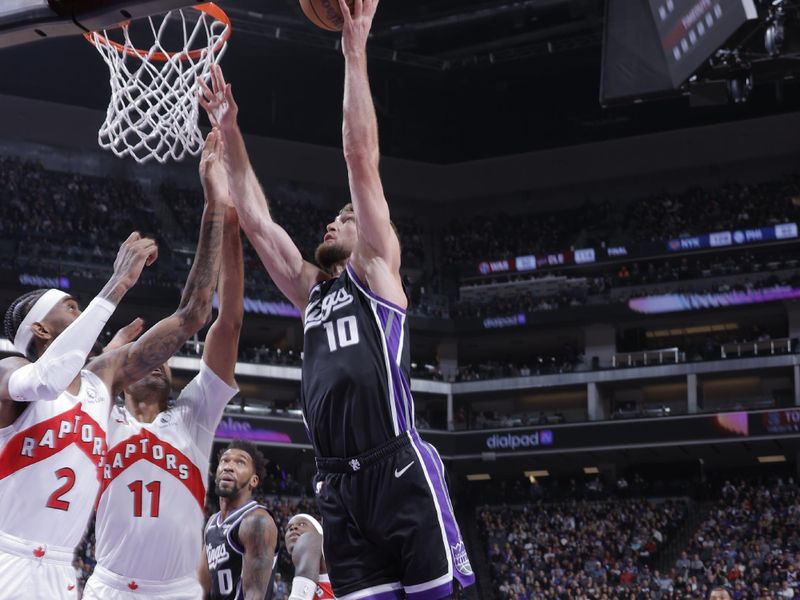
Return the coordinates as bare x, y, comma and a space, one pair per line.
24, 21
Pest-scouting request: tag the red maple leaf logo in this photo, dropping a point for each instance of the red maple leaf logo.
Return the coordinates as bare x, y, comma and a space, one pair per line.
70, 587
133, 585
39, 552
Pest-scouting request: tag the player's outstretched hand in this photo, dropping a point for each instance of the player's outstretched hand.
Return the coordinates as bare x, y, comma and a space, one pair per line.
134, 255
357, 25
212, 169
126, 335
218, 100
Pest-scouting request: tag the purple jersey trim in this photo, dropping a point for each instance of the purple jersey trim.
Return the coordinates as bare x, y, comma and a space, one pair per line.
393, 342
352, 273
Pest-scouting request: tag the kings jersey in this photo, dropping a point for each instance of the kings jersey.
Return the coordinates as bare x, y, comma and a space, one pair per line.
355, 388
225, 554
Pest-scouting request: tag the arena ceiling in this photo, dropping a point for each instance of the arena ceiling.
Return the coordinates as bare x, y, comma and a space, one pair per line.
453, 80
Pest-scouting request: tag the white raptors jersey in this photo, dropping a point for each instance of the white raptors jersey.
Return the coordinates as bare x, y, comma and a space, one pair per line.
49, 459
150, 516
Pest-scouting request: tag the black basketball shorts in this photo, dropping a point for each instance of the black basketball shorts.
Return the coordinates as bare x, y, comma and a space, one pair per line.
388, 524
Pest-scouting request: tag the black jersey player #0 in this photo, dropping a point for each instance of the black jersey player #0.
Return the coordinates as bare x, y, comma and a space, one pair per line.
225, 554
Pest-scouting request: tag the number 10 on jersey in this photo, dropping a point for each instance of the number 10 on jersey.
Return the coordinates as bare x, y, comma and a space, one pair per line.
342, 333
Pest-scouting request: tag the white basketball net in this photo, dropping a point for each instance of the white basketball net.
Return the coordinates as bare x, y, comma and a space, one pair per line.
153, 112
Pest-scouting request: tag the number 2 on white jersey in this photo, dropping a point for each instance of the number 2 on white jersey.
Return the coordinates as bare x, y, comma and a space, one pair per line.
55, 500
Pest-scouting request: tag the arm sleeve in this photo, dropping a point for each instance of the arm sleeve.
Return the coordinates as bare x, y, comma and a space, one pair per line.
51, 375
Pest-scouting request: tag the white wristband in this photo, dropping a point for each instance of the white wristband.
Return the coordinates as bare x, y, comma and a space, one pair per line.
302, 589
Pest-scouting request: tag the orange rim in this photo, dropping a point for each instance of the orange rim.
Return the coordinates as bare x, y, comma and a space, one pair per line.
209, 8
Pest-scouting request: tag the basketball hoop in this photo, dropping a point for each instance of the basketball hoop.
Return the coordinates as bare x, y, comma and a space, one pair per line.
153, 112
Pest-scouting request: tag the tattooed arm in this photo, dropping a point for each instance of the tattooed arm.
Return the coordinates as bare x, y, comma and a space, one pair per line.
133, 361
126, 335
259, 536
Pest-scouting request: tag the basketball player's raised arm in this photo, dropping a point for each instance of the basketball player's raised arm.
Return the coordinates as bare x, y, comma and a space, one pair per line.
293, 275
222, 342
130, 363
306, 558
259, 536
377, 253
126, 335
65, 355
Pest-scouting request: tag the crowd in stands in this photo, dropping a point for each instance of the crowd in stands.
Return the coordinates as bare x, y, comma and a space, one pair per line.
580, 548
69, 223
92, 213
584, 541
611, 223
750, 541
90, 216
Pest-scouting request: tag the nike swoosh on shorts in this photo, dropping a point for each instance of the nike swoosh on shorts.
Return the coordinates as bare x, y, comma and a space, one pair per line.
400, 473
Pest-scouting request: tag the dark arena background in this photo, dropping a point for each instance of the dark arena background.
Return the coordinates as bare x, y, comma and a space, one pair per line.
598, 203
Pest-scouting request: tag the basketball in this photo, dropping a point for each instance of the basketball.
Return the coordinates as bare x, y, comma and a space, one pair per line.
325, 14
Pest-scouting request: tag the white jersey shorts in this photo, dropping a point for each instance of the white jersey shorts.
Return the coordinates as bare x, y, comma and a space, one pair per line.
105, 585
32, 571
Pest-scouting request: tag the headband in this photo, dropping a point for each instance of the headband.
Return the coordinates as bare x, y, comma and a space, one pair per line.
39, 311
314, 523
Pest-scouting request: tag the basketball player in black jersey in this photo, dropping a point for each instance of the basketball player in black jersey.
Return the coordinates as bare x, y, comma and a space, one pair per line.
241, 540
389, 528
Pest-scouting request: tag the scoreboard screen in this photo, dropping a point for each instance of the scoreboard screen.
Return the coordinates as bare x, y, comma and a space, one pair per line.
691, 31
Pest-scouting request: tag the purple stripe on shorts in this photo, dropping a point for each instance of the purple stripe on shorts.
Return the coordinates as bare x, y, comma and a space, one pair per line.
440, 591
462, 570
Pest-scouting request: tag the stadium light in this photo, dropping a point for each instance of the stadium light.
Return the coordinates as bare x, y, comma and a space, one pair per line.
535, 474
773, 458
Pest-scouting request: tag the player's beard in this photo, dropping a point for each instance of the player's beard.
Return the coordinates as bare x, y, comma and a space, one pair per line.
328, 255
229, 492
